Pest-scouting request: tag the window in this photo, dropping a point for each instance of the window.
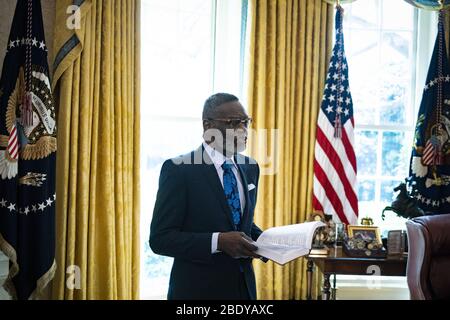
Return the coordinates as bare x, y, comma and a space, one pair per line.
388, 50
190, 49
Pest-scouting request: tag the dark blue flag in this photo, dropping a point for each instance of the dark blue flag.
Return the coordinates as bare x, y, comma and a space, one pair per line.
429, 174
27, 156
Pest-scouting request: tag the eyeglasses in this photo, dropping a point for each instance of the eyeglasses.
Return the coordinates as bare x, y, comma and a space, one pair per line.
234, 122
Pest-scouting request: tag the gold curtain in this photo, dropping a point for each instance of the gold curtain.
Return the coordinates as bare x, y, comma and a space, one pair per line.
97, 79
290, 48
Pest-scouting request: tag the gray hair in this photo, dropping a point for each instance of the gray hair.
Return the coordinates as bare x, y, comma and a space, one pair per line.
214, 101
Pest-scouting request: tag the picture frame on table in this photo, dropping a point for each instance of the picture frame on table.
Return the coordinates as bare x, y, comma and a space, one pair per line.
367, 233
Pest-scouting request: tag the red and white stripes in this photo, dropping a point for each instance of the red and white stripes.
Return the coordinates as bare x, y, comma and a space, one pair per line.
335, 171
13, 144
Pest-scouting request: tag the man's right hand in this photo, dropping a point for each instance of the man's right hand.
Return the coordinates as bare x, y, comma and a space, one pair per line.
234, 243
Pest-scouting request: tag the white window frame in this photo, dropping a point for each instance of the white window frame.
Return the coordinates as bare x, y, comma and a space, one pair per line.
425, 23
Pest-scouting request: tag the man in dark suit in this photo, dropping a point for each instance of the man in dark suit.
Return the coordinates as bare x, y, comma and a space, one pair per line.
203, 215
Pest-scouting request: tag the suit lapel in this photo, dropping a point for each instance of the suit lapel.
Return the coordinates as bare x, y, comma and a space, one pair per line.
210, 173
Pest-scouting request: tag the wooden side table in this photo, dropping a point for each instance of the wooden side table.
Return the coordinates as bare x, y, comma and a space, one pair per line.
337, 262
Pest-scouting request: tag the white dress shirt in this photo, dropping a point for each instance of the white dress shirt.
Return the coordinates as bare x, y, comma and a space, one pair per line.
218, 159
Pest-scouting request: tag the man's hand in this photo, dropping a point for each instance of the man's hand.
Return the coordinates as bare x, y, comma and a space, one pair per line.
236, 244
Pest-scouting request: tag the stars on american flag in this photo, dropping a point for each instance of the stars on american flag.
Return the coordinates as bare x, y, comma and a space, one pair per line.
38, 207
329, 109
332, 87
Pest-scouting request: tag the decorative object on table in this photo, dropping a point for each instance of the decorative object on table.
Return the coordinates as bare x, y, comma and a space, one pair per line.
340, 233
324, 236
367, 233
396, 242
317, 216
357, 247
329, 230
367, 221
318, 246
404, 205
364, 241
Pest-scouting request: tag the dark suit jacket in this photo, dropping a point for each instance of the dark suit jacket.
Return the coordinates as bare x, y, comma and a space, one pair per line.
190, 206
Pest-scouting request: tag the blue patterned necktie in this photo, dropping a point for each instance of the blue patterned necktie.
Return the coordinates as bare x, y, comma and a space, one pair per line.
232, 192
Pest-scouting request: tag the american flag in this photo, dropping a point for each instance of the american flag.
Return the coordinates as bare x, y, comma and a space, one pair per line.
335, 160
432, 154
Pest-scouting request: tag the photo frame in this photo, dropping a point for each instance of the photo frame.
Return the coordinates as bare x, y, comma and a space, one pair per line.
396, 242
367, 233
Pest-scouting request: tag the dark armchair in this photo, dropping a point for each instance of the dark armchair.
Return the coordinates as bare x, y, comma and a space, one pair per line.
428, 269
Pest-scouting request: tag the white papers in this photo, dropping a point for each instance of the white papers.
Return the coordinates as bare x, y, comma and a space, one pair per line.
286, 243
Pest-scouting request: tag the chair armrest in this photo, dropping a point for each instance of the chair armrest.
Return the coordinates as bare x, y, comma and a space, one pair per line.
418, 265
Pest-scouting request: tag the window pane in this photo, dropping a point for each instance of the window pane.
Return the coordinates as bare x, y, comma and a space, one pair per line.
176, 56
395, 153
387, 190
363, 76
380, 38
366, 152
366, 190
362, 14
396, 77
393, 20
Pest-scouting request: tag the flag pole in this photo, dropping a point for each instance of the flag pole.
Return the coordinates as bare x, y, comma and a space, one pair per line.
339, 43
